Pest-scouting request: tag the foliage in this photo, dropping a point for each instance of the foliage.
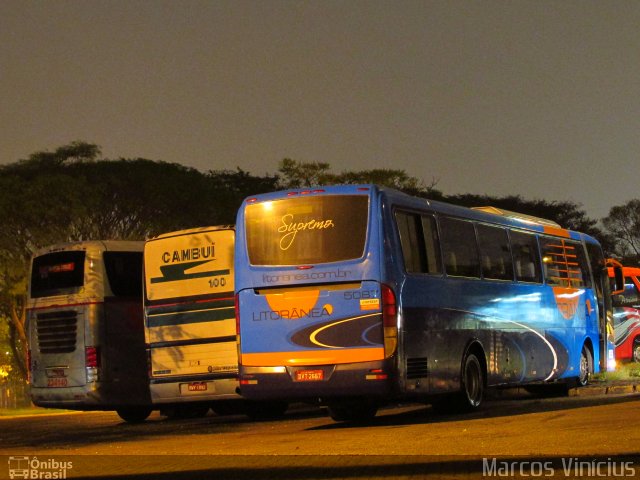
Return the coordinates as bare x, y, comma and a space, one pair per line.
567, 214
296, 174
227, 189
623, 223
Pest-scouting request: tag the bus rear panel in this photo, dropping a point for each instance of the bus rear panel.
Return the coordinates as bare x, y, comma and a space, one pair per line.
313, 310
189, 316
86, 337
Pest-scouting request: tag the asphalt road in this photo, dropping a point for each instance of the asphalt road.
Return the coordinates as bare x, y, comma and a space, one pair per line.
571, 437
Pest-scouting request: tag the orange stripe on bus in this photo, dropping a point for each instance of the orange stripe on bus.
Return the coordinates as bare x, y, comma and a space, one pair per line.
558, 232
312, 357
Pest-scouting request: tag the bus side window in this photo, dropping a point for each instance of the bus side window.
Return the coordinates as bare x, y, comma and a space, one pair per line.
124, 272
432, 244
630, 297
412, 248
419, 242
495, 253
459, 248
564, 262
525, 257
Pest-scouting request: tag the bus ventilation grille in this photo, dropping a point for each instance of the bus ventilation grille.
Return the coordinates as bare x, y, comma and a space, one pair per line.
417, 367
57, 331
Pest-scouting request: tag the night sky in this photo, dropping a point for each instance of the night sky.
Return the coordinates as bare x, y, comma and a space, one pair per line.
537, 98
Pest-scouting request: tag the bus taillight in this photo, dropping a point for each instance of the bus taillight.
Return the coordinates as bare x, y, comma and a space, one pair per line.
92, 363
389, 320
92, 357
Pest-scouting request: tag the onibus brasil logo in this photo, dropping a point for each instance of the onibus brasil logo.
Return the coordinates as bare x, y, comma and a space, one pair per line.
32, 467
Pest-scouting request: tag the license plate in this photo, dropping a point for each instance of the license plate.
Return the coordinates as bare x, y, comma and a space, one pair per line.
309, 375
197, 387
57, 382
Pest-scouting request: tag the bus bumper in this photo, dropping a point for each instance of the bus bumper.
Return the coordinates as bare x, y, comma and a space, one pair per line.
77, 398
368, 379
171, 391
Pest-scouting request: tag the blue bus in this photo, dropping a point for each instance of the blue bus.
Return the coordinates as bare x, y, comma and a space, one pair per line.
356, 295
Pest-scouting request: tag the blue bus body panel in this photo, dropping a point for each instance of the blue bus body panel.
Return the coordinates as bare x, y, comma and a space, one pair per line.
331, 321
324, 310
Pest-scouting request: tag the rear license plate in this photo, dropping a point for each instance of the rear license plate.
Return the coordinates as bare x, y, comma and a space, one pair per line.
57, 382
309, 375
197, 387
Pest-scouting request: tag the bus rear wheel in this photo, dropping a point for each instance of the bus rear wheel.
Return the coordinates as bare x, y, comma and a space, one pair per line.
356, 411
472, 392
586, 366
636, 350
134, 414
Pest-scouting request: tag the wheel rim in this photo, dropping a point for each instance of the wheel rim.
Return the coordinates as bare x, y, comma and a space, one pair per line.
636, 351
473, 381
584, 368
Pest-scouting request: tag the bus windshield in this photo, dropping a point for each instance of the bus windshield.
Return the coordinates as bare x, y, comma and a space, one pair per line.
307, 230
57, 273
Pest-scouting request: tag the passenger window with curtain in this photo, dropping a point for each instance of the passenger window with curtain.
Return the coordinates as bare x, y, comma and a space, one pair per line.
495, 255
419, 243
526, 259
459, 247
565, 263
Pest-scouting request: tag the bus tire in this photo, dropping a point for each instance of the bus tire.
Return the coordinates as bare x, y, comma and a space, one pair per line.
472, 391
635, 355
356, 411
134, 414
586, 366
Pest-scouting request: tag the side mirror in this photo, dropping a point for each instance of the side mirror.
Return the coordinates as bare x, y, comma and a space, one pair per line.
618, 275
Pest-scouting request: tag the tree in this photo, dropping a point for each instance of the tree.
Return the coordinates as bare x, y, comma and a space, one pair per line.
296, 174
38, 204
228, 188
623, 223
567, 214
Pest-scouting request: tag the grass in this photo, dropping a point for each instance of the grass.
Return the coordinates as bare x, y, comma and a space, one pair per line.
624, 371
14, 412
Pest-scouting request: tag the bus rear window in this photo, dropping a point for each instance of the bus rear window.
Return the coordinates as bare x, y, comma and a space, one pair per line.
57, 273
307, 230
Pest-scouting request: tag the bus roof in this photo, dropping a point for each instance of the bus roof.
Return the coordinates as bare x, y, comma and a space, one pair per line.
512, 219
190, 231
518, 216
109, 245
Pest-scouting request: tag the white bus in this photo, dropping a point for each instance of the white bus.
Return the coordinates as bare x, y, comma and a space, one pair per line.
85, 328
190, 328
